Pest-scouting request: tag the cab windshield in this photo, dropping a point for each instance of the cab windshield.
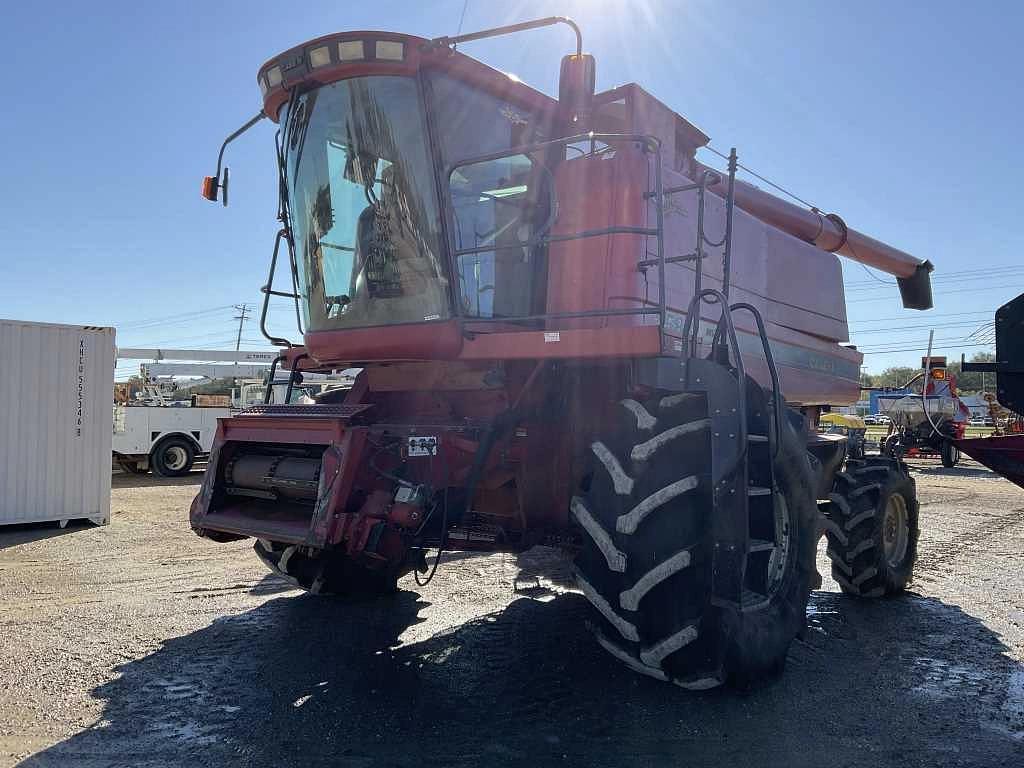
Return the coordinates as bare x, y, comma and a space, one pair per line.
364, 211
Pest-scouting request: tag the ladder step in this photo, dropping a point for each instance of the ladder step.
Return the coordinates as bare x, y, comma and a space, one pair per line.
756, 490
757, 438
760, 545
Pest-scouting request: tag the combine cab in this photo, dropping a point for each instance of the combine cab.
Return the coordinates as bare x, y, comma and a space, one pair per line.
571, 333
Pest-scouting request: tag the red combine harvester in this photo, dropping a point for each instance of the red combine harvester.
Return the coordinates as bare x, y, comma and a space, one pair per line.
571, 333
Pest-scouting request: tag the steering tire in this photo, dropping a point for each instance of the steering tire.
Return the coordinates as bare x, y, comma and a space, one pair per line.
874, 526
173, 457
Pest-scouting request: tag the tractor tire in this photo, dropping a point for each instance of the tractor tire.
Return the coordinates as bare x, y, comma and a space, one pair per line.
332, 573
873, 527
173, 457
645, 564
949, 453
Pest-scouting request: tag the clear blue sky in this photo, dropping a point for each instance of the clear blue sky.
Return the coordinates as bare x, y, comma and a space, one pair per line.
904, 117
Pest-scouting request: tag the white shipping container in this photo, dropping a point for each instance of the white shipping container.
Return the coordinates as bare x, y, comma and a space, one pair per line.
56, 419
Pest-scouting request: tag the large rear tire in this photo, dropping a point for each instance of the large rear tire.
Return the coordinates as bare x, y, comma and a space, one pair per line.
873, 540
331, 573
646, 560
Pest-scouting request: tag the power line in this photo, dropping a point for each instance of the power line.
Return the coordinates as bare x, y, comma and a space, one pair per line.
179, 339
915, 328
944, 281
943, 340
919, 349
944, 314
944, 293
179, 317
946, 339
462, 17
961, 273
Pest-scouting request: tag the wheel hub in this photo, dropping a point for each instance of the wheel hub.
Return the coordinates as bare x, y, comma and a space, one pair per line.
895, 530
175, 458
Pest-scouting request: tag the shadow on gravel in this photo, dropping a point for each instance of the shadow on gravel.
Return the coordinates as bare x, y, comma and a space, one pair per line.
958, 471
13, 535
316, 682
271, 584
150, 480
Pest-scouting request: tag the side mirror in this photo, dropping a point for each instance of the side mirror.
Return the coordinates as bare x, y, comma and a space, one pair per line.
211, 186
576, 83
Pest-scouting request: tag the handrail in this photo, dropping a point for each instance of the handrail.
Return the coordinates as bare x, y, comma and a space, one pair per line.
270, 377
692, 329
293, 375
268, 291
772, 370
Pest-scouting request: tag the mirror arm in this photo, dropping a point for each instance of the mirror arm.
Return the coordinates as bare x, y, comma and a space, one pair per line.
220, 155
441, 42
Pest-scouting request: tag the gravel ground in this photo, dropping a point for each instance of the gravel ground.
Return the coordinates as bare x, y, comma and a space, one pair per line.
139, 644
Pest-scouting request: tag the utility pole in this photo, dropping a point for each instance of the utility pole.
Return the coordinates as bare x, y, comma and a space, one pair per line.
241, 317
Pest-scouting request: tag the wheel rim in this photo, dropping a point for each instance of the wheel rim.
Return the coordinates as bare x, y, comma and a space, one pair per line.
175, 458
779, 559
895, 530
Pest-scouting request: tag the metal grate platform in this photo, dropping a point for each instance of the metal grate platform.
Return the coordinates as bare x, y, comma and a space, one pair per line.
326, 411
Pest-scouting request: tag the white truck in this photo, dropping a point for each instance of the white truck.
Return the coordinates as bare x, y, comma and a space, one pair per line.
163, 438
152, 434
155, 435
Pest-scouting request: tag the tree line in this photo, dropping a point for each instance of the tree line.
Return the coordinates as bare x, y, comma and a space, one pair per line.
967, 383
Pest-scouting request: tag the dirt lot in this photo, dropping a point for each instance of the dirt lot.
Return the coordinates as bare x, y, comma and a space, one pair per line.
139, 644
